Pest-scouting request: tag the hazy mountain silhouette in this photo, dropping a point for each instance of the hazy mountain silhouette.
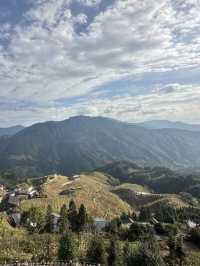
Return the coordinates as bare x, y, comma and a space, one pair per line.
85, 143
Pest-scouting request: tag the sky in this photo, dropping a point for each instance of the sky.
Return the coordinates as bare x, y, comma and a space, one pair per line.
133, 60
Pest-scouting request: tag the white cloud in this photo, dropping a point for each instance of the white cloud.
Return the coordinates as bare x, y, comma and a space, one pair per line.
47, 60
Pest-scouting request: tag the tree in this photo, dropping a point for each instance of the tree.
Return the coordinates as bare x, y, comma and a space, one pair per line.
145, 214
114, 226
147, 255
127, 252
64, 222
195, 236
139, 231
96, 253
49, 226
180, 253
176, 251
72, 215
33, 219
172, 249
114, 253
67, 248
82, 218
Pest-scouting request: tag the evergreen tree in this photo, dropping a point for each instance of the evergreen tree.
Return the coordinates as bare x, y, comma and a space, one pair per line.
72, 215
180, 254
148, 255
114, 226
67, 248
114, 253
49, 220
82, 218
145, 214
64, 223
96, 253
172, 250
127, 253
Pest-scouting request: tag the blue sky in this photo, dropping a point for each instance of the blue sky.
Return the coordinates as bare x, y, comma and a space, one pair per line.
133, 60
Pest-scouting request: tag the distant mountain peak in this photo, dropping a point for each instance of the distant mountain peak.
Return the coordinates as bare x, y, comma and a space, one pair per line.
161, 124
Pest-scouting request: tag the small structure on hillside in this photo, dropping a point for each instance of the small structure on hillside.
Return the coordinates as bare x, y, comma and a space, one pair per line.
26, 191
33, 194
154, 221
191, 224
74, 177
100, 224
70, 191
13, 201
56, 220
15, 219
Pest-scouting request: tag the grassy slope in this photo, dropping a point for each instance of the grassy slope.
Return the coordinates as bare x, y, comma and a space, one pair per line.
100, 197
92, 189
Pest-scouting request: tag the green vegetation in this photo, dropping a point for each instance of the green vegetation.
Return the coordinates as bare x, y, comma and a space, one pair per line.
142, 227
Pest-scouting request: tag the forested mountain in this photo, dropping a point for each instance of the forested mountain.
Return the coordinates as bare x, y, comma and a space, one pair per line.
10, 130
158, 179
160, 124
85, 143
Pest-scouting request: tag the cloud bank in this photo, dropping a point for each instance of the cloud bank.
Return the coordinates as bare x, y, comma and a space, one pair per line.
51, 70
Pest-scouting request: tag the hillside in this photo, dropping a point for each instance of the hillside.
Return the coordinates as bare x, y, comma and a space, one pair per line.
94, 190
100, 193
85, 143
10, 131
157, 179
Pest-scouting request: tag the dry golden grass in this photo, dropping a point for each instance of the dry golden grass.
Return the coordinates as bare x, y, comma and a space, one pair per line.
93, 190
133, 187
172, 200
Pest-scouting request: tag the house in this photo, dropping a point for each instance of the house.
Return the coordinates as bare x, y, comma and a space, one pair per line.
74, 177
191, 224
33, 194
55, 219
13, 201
154, 221
15, 219
26, 192
100, 224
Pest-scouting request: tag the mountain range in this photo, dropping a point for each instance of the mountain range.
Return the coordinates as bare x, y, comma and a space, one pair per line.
85, 143
10, 131
161, 124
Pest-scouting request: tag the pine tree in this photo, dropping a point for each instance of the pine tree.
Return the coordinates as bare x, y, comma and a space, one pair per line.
179, 252
96, 253
114, 253
67, 248
82, 218
64, 223
172, 249
126, 253
49, 220
145, 214
72, 215
148, 255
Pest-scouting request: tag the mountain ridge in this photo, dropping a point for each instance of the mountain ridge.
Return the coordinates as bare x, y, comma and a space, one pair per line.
163, 124
9, 131
86, 143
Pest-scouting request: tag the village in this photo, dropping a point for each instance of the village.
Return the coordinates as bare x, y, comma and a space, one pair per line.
10, 200
72, 216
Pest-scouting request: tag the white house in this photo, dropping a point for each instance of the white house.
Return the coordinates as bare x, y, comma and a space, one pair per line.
100, 224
